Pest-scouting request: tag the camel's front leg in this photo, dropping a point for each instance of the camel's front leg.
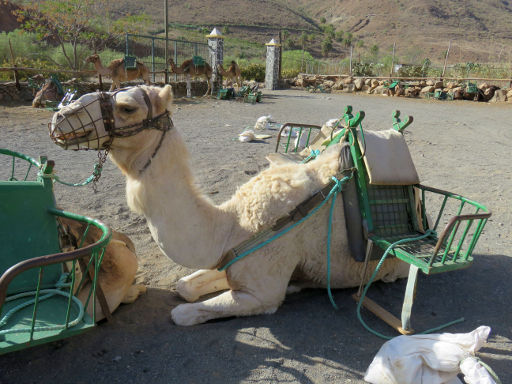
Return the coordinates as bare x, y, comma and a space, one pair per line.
208, 81
200, 283
227, 304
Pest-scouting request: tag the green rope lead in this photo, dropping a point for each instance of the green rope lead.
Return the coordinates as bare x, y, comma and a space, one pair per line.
48, 294
383, 258
329, 231
95, 173
335, 189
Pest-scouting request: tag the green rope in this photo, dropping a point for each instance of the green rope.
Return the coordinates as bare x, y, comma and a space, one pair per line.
48, 294
333, 192
489, 369
379, 265
313, 155
329, 231
95, 174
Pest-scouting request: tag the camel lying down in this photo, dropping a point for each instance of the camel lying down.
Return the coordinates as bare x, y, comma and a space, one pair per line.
160, 186
117, 271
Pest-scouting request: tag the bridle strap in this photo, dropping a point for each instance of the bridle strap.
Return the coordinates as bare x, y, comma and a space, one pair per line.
106, 111
161, 122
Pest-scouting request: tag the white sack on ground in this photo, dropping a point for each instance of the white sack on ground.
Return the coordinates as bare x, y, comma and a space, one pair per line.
427, 359
263, 122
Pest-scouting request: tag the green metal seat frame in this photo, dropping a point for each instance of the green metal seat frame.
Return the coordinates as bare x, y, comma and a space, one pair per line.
130, 62
395, 212
32, 264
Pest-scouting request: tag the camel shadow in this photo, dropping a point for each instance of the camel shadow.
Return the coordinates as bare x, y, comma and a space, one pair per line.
305, 341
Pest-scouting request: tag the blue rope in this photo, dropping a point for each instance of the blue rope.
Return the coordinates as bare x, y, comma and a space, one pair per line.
332, 193
383, 258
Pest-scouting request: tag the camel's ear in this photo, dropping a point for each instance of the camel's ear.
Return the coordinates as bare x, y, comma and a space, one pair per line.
165, 95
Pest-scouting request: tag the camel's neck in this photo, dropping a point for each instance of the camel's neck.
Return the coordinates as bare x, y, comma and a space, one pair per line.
187, 227
101, 69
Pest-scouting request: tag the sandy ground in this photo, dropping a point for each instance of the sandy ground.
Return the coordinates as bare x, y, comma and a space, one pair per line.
463, 147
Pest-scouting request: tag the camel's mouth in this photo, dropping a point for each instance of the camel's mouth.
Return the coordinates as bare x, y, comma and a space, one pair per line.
79, 125
72, 138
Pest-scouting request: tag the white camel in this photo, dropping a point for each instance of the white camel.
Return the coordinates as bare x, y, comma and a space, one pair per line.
196, 233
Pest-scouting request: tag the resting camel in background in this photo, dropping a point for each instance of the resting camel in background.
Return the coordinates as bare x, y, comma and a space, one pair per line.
117, 72
194, 232
189, 69
233, 74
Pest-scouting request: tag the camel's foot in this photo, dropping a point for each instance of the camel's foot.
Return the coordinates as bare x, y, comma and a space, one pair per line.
200, 283
227, 304
133, 293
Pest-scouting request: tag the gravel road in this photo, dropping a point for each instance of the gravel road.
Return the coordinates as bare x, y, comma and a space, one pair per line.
462, 147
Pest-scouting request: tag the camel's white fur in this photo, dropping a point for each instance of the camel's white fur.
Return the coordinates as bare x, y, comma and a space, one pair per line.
194, 232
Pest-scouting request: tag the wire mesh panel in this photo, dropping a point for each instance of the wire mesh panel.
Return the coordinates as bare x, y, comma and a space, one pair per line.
150, 50
390, 207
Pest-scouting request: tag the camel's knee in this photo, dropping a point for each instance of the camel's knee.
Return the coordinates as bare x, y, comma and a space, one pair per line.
133, 293
201, 283
186, 291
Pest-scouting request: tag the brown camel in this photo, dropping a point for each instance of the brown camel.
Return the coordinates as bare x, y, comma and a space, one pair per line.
190, 70
117, 72
233, 74
117, 271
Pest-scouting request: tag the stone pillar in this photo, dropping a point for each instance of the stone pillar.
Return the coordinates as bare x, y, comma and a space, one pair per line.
216, 51
272, 67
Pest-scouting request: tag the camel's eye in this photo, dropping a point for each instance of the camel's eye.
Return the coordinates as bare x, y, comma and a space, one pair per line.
128, 109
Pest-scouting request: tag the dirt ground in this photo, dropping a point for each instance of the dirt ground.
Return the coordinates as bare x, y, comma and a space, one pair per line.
462, 147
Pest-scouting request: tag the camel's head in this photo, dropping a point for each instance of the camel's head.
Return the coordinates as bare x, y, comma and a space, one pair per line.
96, 119
93, 58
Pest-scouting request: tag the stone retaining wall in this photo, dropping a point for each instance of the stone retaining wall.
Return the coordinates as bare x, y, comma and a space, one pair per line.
9, 94
419, 88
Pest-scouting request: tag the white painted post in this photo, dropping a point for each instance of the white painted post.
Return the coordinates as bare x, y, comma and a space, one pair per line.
216, 50
272, 65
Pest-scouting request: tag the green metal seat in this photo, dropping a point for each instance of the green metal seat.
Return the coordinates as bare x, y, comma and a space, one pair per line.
393, 213
396, 212
130, 62
38, 284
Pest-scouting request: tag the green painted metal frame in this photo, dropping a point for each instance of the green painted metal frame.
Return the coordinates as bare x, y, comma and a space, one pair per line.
49, 320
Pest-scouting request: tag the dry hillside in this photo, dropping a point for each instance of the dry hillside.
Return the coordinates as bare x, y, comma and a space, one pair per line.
480, 30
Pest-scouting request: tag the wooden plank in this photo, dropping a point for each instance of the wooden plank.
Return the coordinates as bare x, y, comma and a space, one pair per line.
383, 314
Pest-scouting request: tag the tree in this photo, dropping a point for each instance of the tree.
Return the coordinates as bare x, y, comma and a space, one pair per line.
348, 39
323, 20
303, 39
76, 22
329, 31
326, 46
339, 36
374, 50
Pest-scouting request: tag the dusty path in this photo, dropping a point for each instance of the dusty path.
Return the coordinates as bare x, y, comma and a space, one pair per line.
462, 147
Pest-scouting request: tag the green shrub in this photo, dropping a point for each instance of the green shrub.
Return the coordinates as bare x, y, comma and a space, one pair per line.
23, 45
289, 73
363, 69
253, 72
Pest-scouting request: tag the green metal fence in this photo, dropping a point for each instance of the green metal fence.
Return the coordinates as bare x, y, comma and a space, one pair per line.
151, 51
